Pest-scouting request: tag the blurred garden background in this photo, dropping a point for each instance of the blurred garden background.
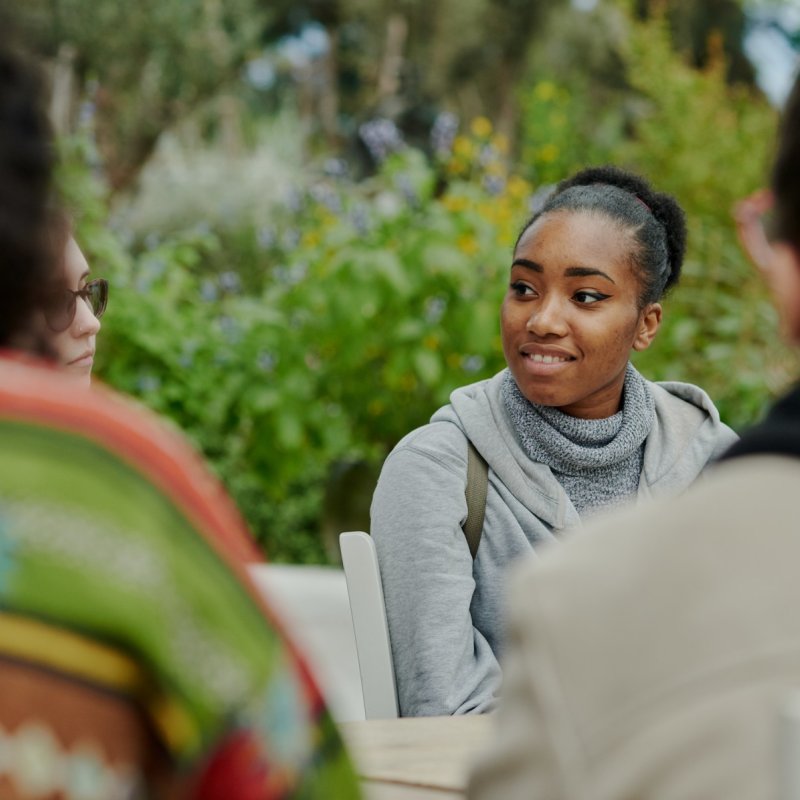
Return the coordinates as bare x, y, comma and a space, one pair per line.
306, 208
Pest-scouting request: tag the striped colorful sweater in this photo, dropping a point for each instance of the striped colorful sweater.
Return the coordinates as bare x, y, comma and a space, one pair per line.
125, 602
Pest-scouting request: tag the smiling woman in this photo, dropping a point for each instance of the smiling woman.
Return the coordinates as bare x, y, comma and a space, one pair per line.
569, 429
571, 315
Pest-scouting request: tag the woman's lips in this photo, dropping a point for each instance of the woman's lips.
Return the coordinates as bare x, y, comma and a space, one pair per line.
84, 360
544, 360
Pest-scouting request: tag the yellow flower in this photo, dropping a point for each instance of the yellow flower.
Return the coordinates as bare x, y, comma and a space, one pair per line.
454, 203
431, 342
502, 213
467, 244
518, 187
548, 153
454, 167
453, 360
500, 143
545, 90
326, 218
375, 408
481, 127
463, 147
408, 382
311, 239
495, 168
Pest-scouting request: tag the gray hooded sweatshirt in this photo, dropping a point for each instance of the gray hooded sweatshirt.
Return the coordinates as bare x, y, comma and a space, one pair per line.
444, 610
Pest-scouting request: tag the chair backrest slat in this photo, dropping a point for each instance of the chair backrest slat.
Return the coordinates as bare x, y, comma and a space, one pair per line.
368, 611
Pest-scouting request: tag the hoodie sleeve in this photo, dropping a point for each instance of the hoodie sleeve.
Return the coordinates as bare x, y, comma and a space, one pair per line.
443, 664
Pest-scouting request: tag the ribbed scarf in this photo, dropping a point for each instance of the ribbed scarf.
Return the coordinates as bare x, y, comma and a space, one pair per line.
597, 461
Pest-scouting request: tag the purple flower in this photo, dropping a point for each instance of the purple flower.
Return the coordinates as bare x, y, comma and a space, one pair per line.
208, 291
443, 133
407, 190
265, 237
494, 184
325, 196
360, 219
381, 137
472, 363
335, 167
266, 361
434, 309
230, 282
148, 383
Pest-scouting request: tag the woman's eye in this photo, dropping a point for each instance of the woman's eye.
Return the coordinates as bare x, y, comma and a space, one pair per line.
587, 298
521, 289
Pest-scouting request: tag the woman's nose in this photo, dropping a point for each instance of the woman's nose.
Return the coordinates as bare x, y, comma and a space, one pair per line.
547, 319
85, 323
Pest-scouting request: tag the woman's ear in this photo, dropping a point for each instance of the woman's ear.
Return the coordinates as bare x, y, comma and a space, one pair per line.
783, 276
649, 323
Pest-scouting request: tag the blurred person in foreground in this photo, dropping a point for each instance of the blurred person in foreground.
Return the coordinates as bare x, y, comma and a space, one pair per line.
652, 655
136, 657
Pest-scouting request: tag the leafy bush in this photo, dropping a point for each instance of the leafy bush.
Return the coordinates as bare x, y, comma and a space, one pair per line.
374, 301
292, 347
710, 144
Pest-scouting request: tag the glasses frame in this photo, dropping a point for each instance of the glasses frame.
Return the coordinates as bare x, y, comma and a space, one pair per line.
94, 294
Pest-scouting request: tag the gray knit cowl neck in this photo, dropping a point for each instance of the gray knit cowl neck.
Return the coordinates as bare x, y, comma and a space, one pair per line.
597, 461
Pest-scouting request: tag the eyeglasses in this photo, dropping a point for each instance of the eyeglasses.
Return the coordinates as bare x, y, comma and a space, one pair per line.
62, 304
755, 225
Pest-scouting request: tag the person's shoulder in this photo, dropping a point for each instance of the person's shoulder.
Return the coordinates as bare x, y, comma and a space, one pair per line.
447, 431
739, 495
693, 586
475, 398
686, 399
688, 424
442, 440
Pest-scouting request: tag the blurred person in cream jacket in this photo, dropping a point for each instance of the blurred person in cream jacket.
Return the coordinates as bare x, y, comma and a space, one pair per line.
650, 656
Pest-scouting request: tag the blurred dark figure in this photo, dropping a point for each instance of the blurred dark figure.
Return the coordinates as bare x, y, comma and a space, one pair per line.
656, 653
137, 659
26, 162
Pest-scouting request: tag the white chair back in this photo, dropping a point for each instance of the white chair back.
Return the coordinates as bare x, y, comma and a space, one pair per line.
313, 603
368, 611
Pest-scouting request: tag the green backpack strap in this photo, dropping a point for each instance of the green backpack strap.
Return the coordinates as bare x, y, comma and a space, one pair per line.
477, 484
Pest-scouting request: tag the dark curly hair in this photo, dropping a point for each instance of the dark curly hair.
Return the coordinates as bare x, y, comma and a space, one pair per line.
26, 165
654, 219
786, 172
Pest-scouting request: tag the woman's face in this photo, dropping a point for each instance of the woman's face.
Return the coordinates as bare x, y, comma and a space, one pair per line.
76, 345
571, 314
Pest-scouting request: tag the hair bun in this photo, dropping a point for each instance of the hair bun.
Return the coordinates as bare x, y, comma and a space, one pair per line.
662, 206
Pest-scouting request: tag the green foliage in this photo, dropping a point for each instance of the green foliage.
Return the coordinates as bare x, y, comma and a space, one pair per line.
148, 62
564, 130
376, 301
709, 144
292, 346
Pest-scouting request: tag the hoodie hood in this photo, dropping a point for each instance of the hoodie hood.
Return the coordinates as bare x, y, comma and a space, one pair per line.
687, 433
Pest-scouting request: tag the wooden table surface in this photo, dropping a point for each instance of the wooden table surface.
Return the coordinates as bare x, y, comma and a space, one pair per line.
416, 758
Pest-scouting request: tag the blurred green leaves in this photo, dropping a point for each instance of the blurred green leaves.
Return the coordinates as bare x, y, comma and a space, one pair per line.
289, 346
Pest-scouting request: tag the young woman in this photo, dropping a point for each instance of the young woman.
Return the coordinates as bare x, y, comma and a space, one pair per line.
568, 429
73, 315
